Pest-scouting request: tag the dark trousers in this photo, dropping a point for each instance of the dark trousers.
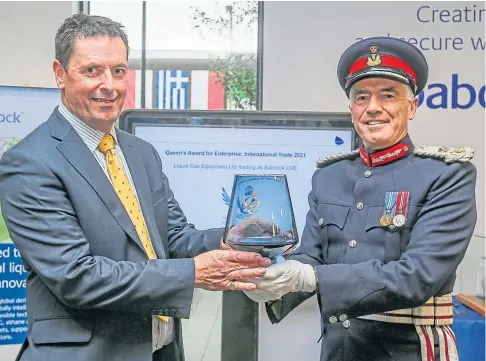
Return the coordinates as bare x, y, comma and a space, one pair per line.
166, 353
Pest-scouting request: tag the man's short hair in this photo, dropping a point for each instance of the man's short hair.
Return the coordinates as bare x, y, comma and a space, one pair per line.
409, 92
81, 26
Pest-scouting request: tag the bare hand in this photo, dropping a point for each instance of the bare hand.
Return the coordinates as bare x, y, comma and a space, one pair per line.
223, 245
229, 270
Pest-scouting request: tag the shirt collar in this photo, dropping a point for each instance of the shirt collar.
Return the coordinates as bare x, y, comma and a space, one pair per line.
90, 136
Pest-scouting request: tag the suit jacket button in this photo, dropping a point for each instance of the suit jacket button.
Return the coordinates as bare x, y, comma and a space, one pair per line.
321, 221
346, 324
343, 317
173, 312
332, 319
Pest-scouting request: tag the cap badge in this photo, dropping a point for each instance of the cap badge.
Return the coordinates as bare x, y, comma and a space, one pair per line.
374, 59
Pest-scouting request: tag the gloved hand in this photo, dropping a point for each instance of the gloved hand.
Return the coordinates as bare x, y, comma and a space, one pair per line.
260, 295
282, 278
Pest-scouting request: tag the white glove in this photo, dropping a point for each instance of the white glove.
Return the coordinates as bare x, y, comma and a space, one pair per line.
260, 295
282, 278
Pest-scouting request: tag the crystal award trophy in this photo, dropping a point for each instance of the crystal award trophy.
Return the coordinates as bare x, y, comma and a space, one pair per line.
260, 216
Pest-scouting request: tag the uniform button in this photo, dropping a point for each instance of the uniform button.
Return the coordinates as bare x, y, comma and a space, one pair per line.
343, 317
173, 312
367, 174
321, 221
332, 319
353, 243
346, 324
359, 205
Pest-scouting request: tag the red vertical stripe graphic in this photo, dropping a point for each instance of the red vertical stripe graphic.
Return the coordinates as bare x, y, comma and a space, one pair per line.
130, 98
215, 93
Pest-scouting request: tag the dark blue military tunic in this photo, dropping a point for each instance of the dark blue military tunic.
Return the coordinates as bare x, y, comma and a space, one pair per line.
366, 266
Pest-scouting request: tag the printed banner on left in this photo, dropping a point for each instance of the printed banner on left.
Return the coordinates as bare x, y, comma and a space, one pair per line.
22, 109
13, 308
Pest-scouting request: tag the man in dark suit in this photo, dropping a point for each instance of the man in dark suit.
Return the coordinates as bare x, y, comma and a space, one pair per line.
113, 261
388, 224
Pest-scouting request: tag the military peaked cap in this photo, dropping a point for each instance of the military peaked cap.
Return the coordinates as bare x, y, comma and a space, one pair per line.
383, 57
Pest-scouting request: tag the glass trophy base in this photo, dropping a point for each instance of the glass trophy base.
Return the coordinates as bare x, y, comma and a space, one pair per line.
270, 247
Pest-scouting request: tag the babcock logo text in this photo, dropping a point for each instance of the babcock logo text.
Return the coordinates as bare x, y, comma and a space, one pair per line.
14, 117
455, 95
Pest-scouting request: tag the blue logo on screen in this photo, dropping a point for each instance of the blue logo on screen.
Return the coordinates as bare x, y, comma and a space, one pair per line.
226, 197
338, 141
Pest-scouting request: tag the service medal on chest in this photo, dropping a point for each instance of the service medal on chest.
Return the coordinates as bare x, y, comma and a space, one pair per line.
386, 220
400, 215
399, 220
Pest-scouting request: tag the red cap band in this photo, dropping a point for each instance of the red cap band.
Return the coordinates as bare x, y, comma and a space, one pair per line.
386, 61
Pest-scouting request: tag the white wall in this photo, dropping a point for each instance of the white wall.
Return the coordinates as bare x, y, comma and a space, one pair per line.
27, 40
27, 47
303, 42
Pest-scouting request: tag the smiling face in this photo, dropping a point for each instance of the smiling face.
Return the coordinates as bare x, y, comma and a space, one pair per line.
380, 109
94, 85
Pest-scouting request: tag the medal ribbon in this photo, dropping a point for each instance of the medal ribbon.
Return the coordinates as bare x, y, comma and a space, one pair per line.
399, 209
388, 208
404, 203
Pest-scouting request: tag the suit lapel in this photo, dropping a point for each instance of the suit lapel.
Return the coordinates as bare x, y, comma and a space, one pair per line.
78, 155
140, 179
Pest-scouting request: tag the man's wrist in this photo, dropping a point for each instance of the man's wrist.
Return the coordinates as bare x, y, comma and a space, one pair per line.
309, 280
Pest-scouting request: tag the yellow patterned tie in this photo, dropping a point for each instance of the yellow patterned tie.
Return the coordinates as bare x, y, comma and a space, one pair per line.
122, 187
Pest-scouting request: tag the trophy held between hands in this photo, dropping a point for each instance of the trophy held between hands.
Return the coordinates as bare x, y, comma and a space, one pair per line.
260, 216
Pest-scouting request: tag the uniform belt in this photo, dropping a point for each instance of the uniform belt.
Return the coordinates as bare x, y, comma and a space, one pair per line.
437, 311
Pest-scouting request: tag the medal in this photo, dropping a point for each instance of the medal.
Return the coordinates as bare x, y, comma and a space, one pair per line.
399, 219
386, 220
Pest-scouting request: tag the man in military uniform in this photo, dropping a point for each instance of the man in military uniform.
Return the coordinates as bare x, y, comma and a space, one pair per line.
388, 223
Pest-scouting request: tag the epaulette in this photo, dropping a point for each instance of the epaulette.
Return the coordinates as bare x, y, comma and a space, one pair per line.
447, 154
321, 162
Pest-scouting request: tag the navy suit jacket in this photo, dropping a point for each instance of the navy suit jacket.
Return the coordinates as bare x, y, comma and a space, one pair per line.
91, 292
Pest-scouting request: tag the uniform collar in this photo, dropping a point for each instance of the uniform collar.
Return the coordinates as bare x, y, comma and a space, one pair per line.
387, 155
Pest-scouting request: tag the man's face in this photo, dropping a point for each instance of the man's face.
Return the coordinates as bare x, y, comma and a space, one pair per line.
94, 85
380, 110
